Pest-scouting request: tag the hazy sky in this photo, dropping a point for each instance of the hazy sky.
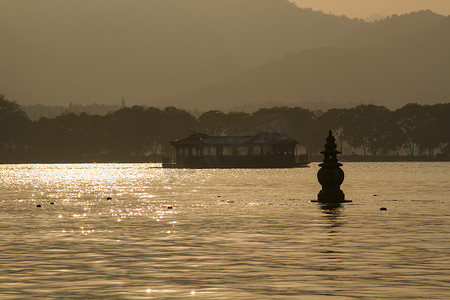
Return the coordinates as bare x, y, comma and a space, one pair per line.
366, 8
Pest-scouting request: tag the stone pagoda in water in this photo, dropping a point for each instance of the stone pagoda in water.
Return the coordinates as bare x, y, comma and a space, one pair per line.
330, 175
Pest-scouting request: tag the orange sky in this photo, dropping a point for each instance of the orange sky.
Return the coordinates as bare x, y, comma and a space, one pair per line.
366, 8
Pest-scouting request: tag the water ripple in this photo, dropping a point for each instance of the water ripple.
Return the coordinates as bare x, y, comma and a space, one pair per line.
136, 231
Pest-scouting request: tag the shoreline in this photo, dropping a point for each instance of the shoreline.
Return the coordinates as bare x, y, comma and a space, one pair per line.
314, 159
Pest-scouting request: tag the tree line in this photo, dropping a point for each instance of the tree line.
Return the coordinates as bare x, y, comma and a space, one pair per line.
143, 133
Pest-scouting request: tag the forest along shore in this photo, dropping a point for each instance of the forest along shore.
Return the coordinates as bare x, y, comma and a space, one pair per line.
141, 134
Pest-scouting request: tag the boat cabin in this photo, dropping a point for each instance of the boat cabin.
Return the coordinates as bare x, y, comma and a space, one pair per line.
263, 150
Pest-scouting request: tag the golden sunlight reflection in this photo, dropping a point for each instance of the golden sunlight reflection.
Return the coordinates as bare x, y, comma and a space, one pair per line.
115, 229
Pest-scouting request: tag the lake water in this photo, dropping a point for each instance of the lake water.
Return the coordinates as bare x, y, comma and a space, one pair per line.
223, 234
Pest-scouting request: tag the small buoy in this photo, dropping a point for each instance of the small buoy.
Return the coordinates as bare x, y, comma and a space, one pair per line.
38, 205
108, 198
169, 207
383, 208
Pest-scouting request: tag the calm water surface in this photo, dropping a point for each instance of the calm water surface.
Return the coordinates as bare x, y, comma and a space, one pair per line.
223, 234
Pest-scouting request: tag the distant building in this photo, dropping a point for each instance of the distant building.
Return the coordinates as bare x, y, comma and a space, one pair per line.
263, 150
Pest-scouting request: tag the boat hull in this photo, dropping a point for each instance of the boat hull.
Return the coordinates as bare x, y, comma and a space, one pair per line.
237, 166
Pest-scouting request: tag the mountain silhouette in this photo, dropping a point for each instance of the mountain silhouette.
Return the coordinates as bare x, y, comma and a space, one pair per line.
151, 52
415, 67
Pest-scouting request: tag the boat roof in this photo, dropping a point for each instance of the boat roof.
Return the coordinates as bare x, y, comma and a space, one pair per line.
259, 138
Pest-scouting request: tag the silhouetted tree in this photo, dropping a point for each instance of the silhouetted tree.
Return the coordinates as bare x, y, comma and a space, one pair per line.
131, 131
177, 124
372, 128
213, 122
432, 129
335, 119
14, 127
69, 136
237, 122
407, 118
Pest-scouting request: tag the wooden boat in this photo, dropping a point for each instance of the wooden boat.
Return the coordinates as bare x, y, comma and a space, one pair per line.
263, 150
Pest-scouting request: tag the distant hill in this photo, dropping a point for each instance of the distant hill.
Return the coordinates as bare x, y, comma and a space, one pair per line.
55, 52
415, 67
391, 28
37, 111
